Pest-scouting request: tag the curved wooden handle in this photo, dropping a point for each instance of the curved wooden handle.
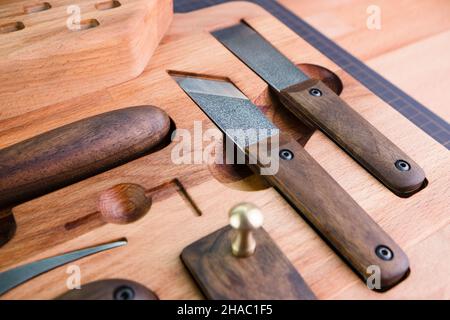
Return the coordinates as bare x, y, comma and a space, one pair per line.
336, 216
110, 289
78, 150
355, 135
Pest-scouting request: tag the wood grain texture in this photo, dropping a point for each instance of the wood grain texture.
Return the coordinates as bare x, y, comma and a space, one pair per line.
112, 46
78, 150
418, 37
417, 224
355, 135
265, 275
7, 226
334, 214
110, 289
124, 203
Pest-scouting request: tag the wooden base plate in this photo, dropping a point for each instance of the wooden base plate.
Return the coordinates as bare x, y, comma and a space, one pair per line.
190, 201
265, 275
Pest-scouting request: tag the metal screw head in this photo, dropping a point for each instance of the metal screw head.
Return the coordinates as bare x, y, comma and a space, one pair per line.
286, 154
315, 92
402, 165
124, 293
384, 253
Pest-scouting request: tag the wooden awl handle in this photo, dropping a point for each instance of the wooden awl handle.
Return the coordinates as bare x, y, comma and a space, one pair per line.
78, 150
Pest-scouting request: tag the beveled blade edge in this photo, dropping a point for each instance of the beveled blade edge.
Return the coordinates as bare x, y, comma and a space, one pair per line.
260, 56
208, 86
238, 118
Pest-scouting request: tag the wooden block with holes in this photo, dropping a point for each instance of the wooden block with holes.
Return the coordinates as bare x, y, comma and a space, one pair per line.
77, 47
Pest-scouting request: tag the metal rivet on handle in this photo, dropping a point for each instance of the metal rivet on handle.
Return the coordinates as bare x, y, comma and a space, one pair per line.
402, 165
315, 92
124, 293
384, 253
286, 154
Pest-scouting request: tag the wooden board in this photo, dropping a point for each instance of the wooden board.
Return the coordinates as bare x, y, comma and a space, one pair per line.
39, 53
410, 49
191, 201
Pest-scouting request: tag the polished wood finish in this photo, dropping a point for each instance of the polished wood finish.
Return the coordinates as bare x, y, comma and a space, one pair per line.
265, 275
355, 135
113, 44
124, 203
189, 202
110, 289
333, 212
78, 150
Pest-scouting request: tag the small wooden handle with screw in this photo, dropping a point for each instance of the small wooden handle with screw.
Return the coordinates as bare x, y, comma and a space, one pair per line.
314, 101
110, 289
337, 217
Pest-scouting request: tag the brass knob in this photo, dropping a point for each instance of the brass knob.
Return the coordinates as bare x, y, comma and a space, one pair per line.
245, 218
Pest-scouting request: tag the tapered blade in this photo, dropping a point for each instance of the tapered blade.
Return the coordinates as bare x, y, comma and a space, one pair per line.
260, 56
14, 277
229, 109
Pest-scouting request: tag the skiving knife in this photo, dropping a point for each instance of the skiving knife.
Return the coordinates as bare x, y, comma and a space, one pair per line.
12, 278
311, 100
309, 188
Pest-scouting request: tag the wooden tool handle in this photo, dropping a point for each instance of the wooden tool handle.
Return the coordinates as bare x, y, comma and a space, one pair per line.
78, 150
110, 289
337, 217
319, 105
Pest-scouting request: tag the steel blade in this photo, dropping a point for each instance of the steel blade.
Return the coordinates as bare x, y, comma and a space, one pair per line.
14, 277
260, 56
229, 109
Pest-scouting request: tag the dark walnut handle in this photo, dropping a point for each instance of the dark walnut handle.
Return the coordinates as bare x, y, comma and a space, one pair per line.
314, 101
110, 289
335, 215
78, 150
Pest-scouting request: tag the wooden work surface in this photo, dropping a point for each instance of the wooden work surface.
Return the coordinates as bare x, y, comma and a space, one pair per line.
419, 224
410, 50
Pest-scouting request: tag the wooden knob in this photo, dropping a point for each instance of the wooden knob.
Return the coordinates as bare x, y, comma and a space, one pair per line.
245, 218
123, 203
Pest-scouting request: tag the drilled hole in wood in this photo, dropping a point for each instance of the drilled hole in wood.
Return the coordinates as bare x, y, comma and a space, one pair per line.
106, 5
11, 27
36, 7
86, 24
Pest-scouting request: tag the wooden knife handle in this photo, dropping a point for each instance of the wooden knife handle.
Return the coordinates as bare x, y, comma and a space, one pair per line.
78, 150
314, 101
335, 215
